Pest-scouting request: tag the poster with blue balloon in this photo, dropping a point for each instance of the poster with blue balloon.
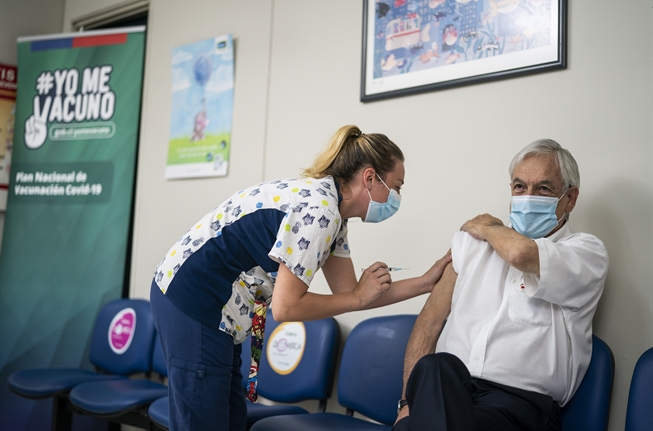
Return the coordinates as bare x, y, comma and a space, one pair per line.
202, 109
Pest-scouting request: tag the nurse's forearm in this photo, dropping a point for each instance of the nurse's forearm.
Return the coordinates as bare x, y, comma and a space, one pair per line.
412, 287
400, 291
291, 300
313, 306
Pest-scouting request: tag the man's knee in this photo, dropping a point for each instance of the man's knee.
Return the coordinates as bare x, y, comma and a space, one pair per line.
440, 369
438, 393
440, 362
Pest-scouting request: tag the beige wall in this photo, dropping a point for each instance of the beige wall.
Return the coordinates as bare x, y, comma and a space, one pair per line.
297, 80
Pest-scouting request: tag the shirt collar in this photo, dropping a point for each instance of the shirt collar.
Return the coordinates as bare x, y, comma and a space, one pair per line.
560, 233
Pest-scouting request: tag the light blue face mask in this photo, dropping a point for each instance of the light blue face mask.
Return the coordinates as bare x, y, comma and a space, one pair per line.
534, 216
377, 211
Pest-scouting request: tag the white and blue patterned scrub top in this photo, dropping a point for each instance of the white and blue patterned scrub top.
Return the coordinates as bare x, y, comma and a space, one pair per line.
230, 258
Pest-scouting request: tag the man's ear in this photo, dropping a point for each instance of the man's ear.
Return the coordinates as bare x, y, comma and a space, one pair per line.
572, 194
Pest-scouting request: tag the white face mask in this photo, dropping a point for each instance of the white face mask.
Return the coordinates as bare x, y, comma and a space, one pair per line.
377, 212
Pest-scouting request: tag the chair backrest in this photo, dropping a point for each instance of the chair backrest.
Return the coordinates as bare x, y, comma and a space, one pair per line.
371, 368
123, 337
639, 416
298, 360
589, 409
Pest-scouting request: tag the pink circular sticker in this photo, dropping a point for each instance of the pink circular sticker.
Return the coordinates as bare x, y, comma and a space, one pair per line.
121, 330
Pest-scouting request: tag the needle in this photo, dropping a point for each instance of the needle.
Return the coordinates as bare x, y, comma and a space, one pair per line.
391, 268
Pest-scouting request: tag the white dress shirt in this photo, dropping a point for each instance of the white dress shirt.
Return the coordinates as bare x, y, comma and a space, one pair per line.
522, 330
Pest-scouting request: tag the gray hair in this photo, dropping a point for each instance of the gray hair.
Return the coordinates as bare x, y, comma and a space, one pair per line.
566, 162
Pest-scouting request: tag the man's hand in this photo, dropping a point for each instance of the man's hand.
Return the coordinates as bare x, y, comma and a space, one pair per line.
518, 250
479, 225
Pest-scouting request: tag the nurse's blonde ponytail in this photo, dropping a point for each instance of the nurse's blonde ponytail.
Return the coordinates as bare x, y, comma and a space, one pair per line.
350, 150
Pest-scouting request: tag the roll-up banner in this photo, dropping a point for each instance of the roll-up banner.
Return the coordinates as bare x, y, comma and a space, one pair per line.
67, 226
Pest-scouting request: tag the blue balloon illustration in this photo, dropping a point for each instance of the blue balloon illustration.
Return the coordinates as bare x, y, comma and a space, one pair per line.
202, 69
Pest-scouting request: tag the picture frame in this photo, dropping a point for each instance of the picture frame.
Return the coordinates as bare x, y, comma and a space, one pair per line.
415, 46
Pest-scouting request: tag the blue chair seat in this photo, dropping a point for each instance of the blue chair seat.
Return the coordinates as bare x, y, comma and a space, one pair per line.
43, 382
126, 401
158, 413
121, 345
115, 397
260, 411
319, 422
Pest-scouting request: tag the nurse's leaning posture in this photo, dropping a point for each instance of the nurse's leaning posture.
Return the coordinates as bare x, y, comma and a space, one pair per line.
211, 291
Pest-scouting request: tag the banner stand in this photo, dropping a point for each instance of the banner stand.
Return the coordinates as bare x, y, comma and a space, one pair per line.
69, 204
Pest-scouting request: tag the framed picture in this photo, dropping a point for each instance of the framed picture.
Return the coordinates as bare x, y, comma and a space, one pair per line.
413, 46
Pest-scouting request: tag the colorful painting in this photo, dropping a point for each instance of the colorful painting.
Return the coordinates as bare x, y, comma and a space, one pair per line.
202, 99
411, 46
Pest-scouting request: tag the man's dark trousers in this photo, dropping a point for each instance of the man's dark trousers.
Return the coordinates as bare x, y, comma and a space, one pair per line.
442, 396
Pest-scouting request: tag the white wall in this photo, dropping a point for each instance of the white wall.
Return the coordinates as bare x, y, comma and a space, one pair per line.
297, 81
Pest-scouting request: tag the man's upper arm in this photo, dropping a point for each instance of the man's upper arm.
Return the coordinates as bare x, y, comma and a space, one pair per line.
438, 304
572, 271
428, 326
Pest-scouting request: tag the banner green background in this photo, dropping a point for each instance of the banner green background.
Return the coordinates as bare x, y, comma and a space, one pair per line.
65, 255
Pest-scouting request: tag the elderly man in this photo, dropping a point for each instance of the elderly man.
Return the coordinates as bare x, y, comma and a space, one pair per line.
518, 303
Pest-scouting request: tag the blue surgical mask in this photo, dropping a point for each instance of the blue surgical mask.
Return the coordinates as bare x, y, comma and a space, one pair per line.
377, 211
534, 216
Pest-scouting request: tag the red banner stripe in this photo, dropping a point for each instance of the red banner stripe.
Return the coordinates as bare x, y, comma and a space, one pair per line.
108, 39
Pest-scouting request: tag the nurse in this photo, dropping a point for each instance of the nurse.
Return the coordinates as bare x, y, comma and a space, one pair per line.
261, 248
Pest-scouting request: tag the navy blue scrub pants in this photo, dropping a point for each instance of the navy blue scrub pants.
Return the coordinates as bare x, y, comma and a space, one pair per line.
204, 378
443, 396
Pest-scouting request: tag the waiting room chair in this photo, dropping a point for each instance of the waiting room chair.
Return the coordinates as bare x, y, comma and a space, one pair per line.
310, 378
589, 409
639, 414
121, 345
158, 413
369, 382
124, 401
